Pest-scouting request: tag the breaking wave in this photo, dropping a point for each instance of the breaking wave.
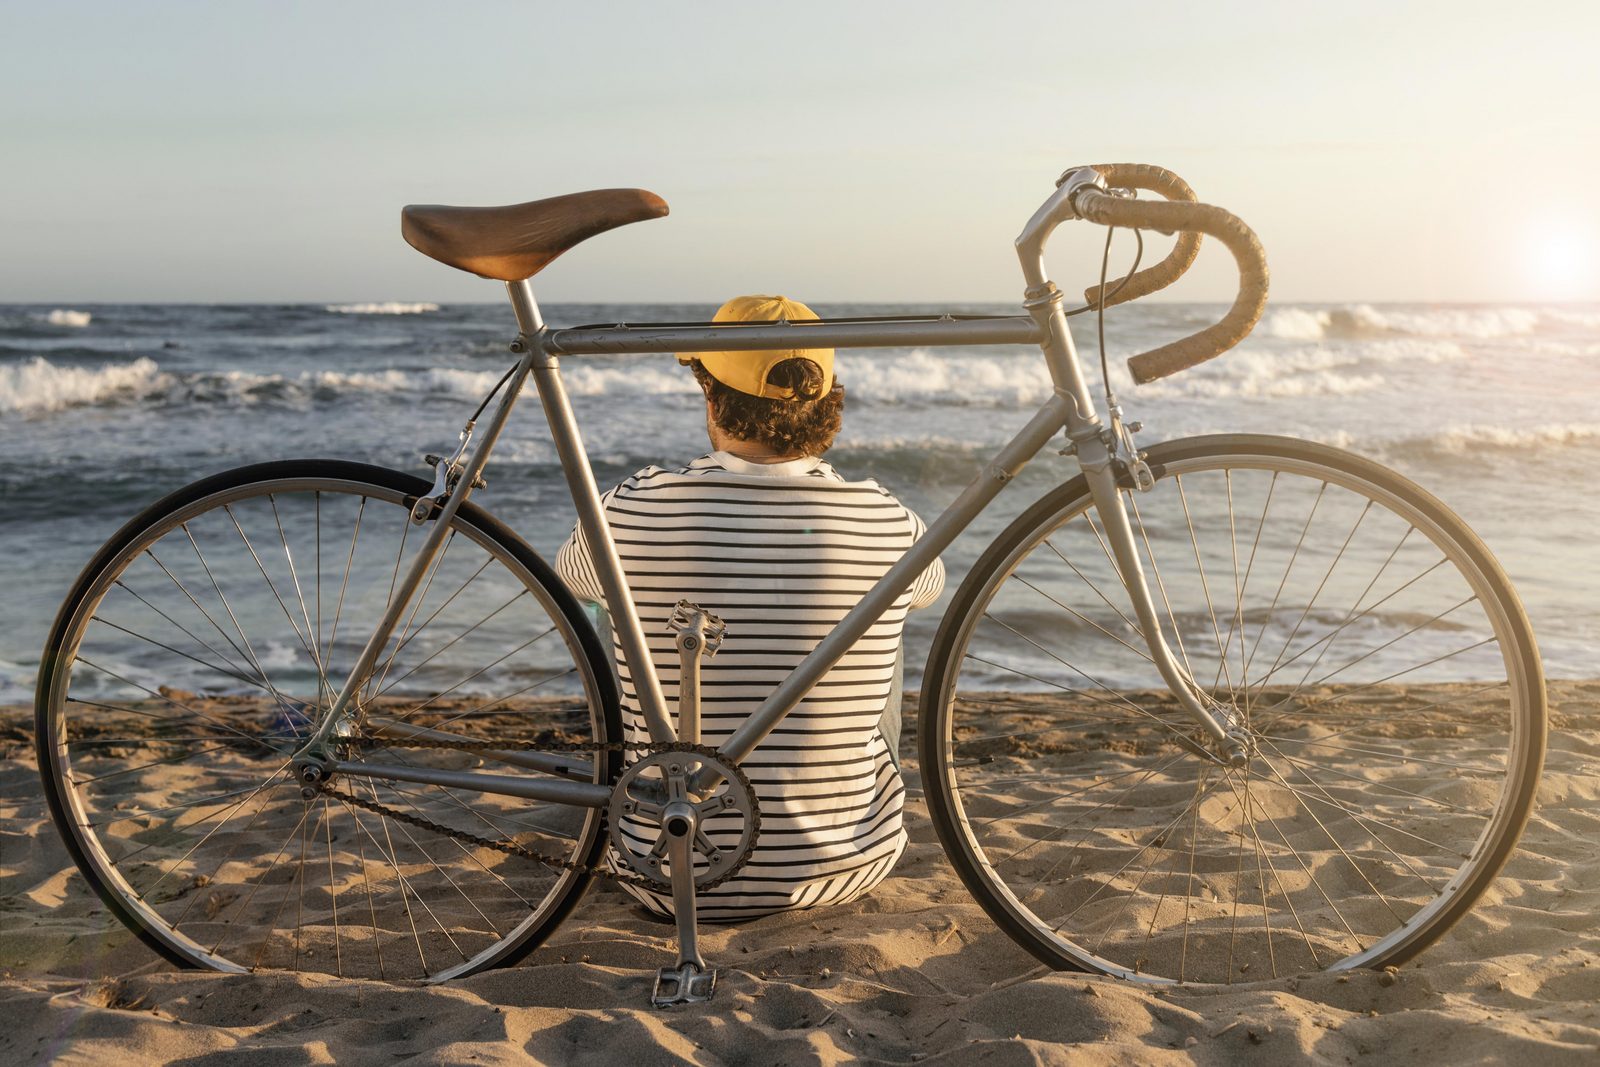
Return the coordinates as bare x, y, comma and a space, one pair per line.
40, 386
1467, 439
390, 307
68, 317
1359, 321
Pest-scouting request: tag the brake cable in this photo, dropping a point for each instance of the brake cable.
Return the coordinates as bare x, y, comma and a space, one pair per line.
1121, 433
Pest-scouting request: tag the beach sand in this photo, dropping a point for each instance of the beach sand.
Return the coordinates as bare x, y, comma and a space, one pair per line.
914, 972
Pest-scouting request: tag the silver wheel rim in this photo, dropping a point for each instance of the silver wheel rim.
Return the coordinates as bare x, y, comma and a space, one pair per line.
440, 951
1412, 926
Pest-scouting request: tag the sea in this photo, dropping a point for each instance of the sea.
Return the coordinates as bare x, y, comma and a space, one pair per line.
1495, 408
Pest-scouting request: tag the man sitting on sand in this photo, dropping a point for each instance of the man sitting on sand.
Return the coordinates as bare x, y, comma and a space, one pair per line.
765, 534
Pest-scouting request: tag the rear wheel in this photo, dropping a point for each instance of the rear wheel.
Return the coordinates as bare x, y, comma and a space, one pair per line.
1377, 655
197, 650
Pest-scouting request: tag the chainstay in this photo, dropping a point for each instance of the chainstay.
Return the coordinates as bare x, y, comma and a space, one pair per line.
512, 848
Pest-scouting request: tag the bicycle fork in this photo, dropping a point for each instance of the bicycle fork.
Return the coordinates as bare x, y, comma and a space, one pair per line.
1218, 720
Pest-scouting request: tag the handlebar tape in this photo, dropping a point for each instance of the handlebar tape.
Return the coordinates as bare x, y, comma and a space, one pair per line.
1180, 259
1173, 216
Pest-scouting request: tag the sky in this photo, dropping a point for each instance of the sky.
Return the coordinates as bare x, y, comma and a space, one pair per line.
245, 151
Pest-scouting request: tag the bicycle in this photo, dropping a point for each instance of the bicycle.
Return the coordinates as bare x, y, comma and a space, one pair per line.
1184, 720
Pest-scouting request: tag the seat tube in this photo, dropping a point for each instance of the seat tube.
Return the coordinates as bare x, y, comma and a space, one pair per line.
591, 513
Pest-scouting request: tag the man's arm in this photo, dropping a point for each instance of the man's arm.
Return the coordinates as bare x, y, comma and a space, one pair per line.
926, 589
575, 562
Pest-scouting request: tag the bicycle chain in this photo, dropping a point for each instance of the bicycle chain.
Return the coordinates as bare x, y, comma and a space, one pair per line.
512, 848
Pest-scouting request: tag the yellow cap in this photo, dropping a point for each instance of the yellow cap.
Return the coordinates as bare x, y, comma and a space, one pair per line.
747, 371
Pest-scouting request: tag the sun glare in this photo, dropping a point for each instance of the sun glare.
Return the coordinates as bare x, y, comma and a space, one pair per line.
1562, 262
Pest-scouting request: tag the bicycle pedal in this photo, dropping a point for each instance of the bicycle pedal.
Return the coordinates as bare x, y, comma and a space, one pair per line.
683, 985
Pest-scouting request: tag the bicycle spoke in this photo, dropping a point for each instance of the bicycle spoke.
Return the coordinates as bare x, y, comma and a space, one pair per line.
1327, 639
218, 723
272, 586
1317, 593
294, 576
232, 669
1129, 623
1084, 618
456, 639
1366, 822
1360, 654
1350, 615
416, 606
228, 865
1288, 568
489, 706
1161, 586
1076, 670
344, 582
179, 652
1174, 727
1205, 587
471, 677
1354, 866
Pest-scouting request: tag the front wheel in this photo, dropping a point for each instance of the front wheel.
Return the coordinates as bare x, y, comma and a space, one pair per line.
1375, 653
197, 651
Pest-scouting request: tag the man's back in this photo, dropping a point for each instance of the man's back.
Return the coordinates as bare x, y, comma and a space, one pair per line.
781, 551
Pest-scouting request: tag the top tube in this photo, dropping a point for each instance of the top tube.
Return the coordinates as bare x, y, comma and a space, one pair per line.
892, 331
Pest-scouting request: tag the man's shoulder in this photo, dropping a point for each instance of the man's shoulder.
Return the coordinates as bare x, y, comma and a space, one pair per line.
826, 472
655, 475
706, 474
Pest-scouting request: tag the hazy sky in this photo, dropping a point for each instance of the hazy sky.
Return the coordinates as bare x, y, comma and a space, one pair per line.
878, 151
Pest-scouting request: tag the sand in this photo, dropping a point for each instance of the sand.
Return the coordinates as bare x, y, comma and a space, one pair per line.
915, 972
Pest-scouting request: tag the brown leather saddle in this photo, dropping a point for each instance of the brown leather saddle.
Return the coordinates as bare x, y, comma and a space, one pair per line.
516, 242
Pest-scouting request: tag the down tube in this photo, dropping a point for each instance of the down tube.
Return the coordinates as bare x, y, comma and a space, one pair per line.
945, 529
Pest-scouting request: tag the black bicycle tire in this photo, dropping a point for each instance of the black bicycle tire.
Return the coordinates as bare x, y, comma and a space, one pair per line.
599, 661
943, 662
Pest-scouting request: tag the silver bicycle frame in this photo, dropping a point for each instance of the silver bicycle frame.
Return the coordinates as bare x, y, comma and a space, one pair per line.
1069, 407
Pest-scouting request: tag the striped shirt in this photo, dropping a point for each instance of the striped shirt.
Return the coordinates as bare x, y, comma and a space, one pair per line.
781, 552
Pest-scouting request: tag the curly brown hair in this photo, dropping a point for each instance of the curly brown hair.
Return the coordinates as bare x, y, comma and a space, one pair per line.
804, 426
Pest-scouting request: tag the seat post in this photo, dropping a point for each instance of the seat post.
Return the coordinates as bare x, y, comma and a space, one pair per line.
529, 320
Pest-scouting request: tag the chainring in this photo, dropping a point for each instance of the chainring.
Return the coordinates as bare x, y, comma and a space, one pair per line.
641, 791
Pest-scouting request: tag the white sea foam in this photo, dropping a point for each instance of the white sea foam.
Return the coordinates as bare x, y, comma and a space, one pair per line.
635, 381
40, 386
1584, 318
1295, 324
68, 317
1365, 321
1472, 437
1468, 438
389, 307
920, 376
1257, 373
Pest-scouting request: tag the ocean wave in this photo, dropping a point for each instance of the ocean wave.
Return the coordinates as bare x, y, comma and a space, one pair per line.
1464, 439
40, 386
1018, 382
1467, 438
390, 307
1257, 373
1357, 321
967, 380
68, 317
637, 380
1586, 319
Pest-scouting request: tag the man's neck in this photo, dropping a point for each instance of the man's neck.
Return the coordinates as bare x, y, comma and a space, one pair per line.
749, 451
